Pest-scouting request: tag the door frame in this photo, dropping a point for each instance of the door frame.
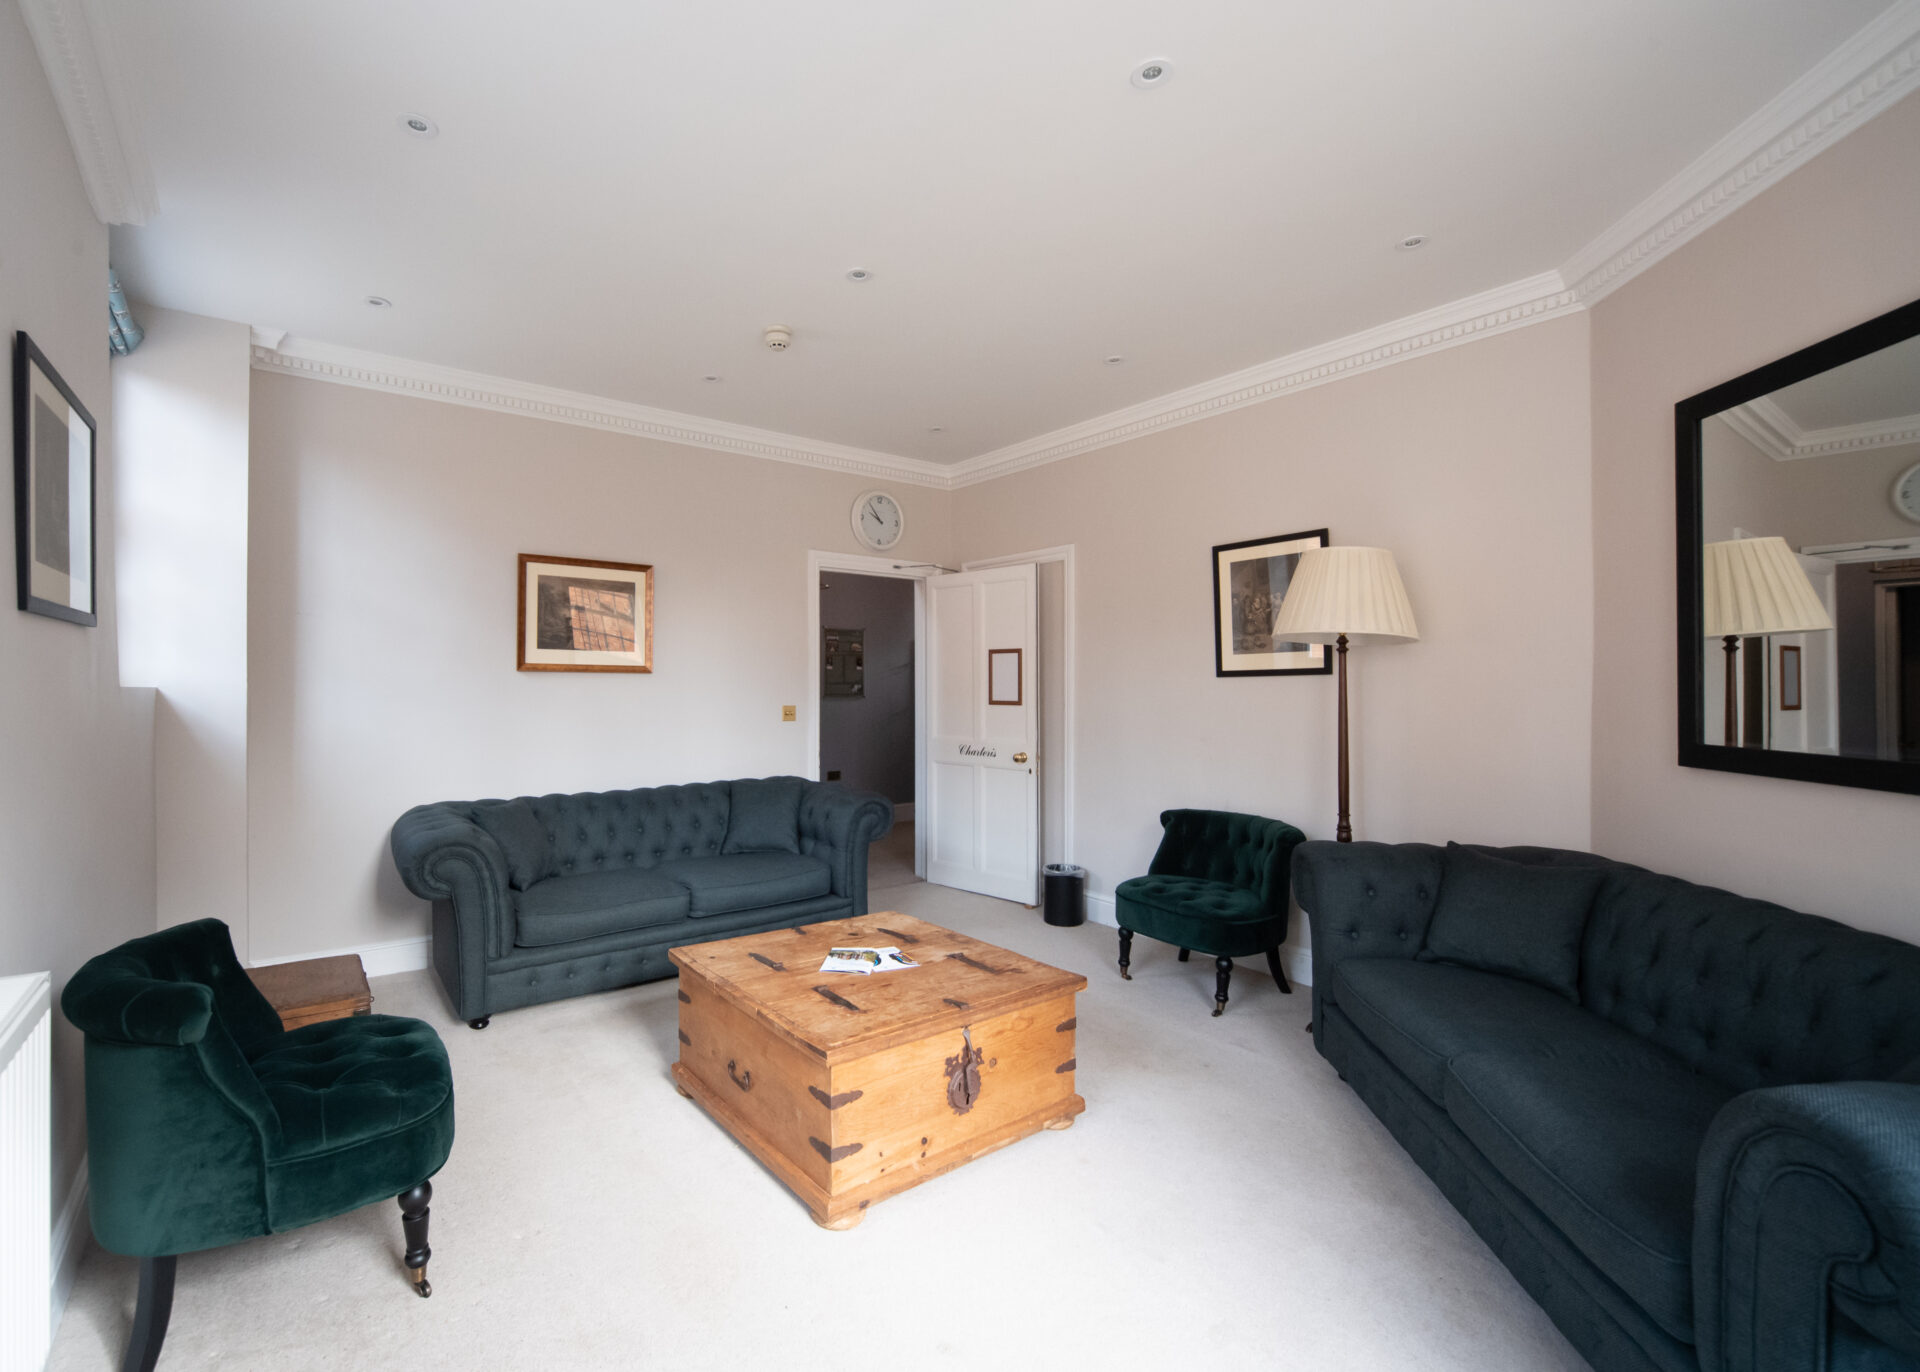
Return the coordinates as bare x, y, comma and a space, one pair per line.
1064, 554
860, 564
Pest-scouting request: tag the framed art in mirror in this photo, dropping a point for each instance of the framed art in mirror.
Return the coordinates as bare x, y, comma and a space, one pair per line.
1799, 564
53, 491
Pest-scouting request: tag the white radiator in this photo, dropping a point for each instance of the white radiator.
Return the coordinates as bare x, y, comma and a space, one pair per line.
26, 1175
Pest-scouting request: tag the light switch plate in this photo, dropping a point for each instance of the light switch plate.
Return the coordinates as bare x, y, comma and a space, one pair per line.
788, 714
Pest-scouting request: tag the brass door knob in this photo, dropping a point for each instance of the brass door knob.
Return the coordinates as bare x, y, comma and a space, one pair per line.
1019, 757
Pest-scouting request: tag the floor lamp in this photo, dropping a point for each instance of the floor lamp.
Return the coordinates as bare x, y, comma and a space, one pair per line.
1345, 596
1754, 587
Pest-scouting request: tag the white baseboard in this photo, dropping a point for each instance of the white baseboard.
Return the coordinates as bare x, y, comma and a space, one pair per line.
380, 959
1297, 961
69, 1243
903, 812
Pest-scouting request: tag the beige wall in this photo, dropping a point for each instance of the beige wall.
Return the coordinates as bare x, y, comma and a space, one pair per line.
180, 420
384, 536
1472, 466
1829, 247
76, 772
1809, 501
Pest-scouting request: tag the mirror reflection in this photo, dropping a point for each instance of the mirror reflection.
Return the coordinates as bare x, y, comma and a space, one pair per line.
1810, 525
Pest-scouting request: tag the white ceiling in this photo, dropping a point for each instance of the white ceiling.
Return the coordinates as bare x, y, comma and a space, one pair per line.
623, 195
1881, 386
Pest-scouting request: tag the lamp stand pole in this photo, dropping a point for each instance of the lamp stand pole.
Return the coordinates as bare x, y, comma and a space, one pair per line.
1733, 698
1344, 833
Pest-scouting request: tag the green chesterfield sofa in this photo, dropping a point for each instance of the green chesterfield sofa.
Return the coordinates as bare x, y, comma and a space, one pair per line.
1687, 1121
543, 897
208, 1123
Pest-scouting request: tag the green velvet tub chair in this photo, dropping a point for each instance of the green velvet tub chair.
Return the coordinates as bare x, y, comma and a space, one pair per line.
1217, 885
208, 1123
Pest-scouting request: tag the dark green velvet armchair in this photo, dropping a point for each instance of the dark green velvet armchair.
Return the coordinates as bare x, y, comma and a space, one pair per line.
208, 1123
1218, 884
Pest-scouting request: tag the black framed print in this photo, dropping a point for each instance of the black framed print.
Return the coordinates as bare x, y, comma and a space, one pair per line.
53, 490
1250, 581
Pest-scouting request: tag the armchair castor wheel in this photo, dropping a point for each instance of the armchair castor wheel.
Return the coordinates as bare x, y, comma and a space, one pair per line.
480, 1023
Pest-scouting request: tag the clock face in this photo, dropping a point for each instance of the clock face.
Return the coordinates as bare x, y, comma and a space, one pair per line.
1906, 493
878, 520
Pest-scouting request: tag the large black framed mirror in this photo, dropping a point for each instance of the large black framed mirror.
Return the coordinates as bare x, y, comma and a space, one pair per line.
1799, 562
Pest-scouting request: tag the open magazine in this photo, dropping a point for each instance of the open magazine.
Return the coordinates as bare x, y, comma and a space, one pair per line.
866, 961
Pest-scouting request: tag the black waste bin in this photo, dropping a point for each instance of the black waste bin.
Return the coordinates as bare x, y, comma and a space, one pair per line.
1066, 893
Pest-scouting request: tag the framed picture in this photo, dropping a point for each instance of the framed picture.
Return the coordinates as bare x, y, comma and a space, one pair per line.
583, 616
1789, 677
53, 490
1006, 682
1250, 580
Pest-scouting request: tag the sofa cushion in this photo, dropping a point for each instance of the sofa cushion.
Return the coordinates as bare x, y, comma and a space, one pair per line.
1603, 1138
1748, 992
1422, 1015
606, 831
747, 881
765, 816
562, 909
521, 837
1513, 918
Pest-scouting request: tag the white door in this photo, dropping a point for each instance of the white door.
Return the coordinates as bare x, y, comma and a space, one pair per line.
983, 821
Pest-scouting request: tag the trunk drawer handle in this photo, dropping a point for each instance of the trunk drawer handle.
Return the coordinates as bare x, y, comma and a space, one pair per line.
743, 1080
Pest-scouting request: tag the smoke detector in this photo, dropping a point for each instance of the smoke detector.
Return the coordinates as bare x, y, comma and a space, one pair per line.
778, 337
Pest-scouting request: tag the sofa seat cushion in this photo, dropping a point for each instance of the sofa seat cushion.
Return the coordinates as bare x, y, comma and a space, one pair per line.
1421, 1015
563, 909
747, 881
1604, 1138
1194, 912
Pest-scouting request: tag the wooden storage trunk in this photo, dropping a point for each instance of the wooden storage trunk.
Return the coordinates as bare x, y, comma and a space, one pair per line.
852, 1088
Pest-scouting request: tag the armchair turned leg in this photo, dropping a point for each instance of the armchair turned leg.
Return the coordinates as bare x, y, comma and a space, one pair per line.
1223, 971
150, 1316
480, 1023
414, 1211
1279, 973
1126, 954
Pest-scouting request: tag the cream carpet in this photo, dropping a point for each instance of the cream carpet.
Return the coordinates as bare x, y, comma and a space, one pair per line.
1224, 1201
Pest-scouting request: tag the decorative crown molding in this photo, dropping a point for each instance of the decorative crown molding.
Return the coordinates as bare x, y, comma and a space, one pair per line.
1865, 75
273, 351
96, 104
1773, 431
1513, 306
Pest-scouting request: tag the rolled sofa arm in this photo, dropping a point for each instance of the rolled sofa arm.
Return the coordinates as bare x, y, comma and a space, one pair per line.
443, 855
836, 825
1369, 900
1807, 1200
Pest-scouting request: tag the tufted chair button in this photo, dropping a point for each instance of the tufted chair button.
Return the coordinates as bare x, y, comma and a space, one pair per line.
1421, 892
1401, 934
1371, 892
570, 973
687, 850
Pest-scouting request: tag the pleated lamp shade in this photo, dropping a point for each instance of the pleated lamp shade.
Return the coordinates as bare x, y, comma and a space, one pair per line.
1756, 586
1351, 591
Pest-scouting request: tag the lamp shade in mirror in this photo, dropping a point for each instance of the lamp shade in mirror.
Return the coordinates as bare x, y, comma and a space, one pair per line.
1355, 592
1756, 586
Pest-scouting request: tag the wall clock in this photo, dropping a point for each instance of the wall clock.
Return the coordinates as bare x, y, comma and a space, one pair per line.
1906, 493
878, 520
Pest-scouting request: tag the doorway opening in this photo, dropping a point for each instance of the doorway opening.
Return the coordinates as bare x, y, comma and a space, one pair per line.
868, 713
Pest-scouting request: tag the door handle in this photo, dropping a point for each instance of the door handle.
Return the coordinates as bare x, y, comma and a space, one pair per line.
1019, 757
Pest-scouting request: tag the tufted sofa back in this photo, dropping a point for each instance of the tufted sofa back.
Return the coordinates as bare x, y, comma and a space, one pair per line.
609, 830
1248, 851
1747, 992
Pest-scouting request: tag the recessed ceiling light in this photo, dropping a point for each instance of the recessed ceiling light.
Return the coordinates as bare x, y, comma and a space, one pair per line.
379, 302
859, 274
711, 376
1155, 71
419, 126
1113, 361
1410, 242
934, 429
